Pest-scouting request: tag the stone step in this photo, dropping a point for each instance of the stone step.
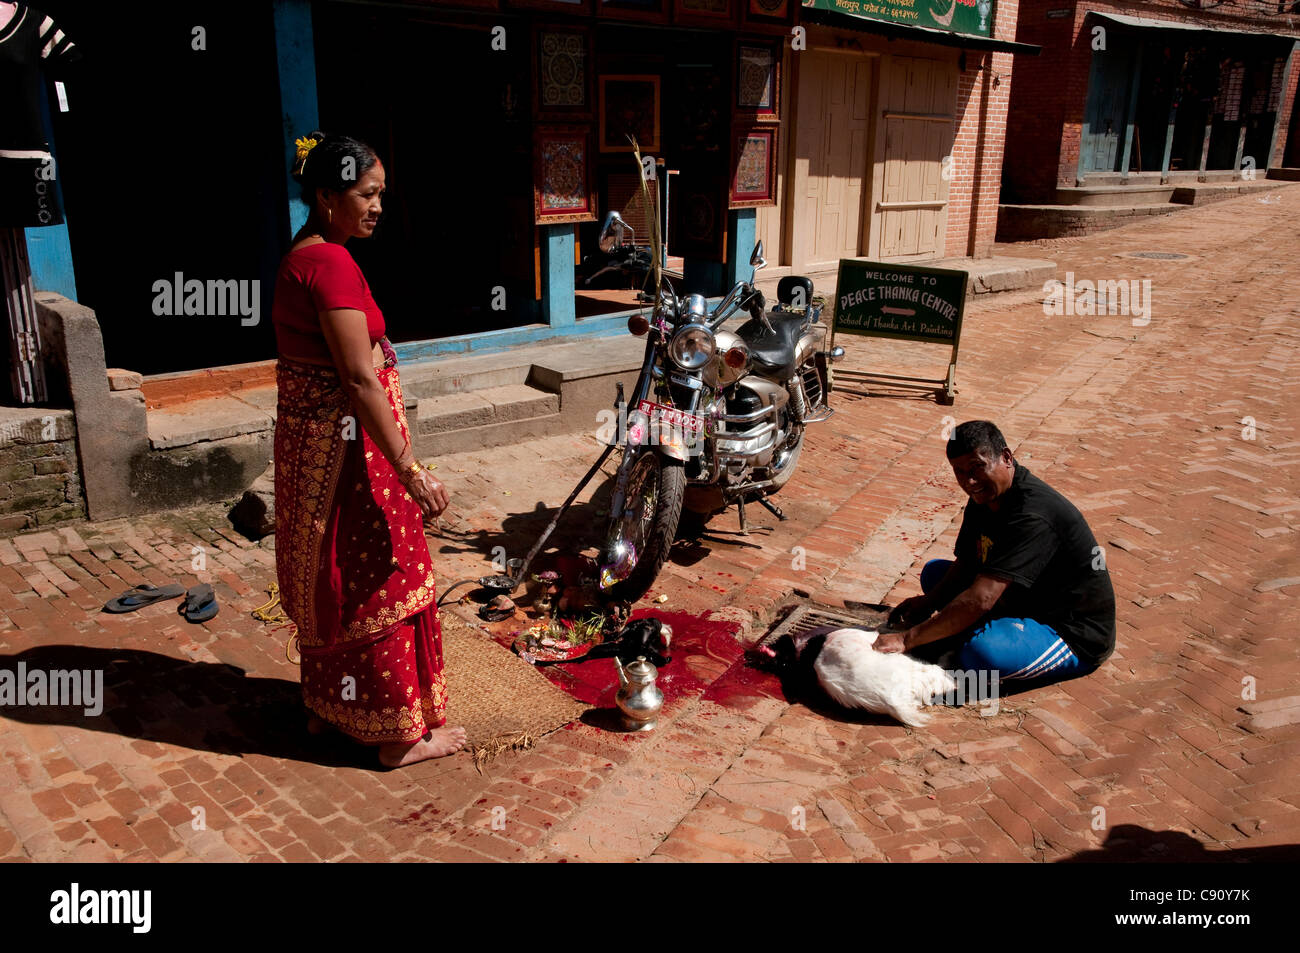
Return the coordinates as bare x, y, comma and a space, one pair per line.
490, 405
1018, 223
456, 375
1204, 194
1115, 195
489, 417
484, 436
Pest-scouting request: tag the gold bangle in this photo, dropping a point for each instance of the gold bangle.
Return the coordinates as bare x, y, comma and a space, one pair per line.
413, 469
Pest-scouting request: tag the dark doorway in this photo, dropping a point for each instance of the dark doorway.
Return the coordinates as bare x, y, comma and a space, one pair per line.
449, 116
171, 161
1196, 94
1161, 68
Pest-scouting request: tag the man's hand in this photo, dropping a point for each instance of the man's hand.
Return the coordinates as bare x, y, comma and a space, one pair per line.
889, 642
910, 611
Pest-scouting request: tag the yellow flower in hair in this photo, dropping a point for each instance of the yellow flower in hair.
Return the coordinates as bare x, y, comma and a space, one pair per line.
305, 145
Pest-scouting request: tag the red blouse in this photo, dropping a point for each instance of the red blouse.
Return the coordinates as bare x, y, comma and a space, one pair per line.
316, 278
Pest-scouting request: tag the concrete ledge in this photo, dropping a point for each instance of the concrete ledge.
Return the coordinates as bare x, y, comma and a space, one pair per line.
519, 401
492, 435
165, 390
452, 375
31, 425
999, 274
1204, 194
199, 473
210, 418
1018, 223
1107, 196
454, 412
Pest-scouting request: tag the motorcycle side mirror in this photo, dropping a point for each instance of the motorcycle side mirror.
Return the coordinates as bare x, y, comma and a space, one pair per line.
611, 233
757, 259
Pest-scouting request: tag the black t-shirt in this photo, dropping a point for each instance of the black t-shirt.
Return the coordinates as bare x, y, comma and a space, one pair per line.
1039, 542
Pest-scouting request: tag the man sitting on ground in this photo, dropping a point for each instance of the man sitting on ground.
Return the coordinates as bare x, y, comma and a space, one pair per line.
1028, 594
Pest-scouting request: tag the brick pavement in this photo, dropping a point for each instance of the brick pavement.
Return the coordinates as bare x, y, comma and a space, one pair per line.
1156, 756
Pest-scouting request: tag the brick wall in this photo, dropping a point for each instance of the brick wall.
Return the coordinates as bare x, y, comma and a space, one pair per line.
983, 100
39, 481
1050, 93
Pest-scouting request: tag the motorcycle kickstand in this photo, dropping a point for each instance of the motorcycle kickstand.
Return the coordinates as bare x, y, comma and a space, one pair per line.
744, 526
771, 508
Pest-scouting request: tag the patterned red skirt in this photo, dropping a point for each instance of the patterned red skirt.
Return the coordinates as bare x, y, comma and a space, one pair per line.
353, 566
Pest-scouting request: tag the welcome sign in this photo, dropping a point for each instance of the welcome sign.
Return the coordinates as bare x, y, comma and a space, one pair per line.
974, 17
900, 301
906, 302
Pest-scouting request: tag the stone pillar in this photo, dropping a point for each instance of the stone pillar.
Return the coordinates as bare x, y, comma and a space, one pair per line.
112, 426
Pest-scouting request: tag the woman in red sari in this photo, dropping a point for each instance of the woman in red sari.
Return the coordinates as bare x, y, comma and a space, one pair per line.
352, 562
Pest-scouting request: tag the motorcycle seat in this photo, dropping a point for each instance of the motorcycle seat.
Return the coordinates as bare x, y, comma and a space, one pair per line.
772, 354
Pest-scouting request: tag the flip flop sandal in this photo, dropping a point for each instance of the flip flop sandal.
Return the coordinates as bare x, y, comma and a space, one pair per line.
200, 603
141, 596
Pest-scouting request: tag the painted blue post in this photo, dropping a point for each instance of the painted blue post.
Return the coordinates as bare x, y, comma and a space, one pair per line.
49, 248
49, 252
295, 56
558, 308
741, 237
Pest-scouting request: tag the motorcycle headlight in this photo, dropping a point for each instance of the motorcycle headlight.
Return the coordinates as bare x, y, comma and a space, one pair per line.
692, 347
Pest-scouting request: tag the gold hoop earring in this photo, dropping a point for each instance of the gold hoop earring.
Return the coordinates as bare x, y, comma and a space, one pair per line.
330, 211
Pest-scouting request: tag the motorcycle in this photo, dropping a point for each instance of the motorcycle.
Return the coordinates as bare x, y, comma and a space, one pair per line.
716, 418
620, 262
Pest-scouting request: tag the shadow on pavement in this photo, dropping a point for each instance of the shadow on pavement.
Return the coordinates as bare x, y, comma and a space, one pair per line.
1129, 843
582, 526
200, 705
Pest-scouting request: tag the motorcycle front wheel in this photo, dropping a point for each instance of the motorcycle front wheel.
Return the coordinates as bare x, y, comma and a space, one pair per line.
637, 543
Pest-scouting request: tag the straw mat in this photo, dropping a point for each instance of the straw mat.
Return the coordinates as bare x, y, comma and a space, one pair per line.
502, 701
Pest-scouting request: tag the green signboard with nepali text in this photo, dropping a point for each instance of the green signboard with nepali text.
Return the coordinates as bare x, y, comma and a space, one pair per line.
973, 17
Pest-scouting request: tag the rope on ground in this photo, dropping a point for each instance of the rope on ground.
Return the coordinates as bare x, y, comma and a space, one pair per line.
273, 612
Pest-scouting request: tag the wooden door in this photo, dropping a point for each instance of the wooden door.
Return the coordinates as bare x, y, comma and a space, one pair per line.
919, 99
1109, 83
830, 165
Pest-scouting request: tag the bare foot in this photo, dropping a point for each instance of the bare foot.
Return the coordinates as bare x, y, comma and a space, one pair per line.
437, 743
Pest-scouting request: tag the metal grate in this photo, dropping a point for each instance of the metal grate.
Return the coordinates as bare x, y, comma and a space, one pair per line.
803, 618
1159, 255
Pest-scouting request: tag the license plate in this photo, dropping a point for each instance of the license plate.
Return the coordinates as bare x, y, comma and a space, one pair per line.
671, 416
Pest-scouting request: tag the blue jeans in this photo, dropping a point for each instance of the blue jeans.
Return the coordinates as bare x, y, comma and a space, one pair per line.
1023, 651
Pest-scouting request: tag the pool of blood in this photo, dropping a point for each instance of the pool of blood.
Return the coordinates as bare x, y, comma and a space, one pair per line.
706, 661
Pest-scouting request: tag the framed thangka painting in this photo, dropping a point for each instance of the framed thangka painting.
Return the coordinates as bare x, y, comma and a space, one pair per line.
770, 10
753, 165
629, 107
563, 74
702, 122
758, 81
562, 180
